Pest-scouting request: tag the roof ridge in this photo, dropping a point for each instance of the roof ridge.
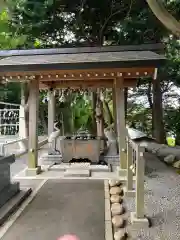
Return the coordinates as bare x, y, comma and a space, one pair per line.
58, 51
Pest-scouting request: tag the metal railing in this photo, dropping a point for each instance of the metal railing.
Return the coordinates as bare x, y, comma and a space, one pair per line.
20, 152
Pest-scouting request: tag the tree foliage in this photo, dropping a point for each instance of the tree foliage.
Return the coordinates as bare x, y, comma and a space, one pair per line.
58, 23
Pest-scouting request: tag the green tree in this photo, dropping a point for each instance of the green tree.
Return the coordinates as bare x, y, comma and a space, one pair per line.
9, 39
91, 23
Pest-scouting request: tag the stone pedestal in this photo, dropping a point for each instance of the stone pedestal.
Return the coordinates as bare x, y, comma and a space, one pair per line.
7, 189
139, 222
47, 159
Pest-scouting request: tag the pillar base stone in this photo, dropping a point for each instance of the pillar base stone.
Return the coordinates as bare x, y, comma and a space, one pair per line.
129, 193
139, 222
30, 172
121, 172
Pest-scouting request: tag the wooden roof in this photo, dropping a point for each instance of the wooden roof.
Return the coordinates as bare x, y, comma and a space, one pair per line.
52, 66
56, 60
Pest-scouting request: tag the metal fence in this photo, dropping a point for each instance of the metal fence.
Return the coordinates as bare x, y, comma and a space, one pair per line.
9, 118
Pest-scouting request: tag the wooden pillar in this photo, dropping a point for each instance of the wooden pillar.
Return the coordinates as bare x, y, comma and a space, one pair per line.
33, 168
51, 119
22, 121
121, 126
51, 111
114, 110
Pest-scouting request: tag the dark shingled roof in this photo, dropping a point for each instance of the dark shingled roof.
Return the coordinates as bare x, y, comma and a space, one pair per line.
66, 59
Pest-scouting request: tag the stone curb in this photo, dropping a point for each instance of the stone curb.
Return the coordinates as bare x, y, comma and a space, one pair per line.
108, 223
119, 232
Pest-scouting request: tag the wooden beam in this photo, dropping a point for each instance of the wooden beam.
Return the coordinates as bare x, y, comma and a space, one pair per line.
79, 74
130, 82
88, 83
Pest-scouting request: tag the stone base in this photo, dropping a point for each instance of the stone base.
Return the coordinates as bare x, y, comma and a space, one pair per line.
77, 173
8, 192
51, 159
30, 172
79, 167
121, 172
129, 193
139, 222
53, 152
12, 205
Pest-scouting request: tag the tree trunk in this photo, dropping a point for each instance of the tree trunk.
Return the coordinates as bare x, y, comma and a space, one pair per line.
150, 101
149, 95
99, 115
157, 113
164, 16
109, 116
43, 121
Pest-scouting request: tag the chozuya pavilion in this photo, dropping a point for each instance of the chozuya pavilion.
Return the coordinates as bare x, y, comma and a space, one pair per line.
113, 67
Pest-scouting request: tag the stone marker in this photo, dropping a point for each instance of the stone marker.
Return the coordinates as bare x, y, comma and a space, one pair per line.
169, 159
120, 234
7, 189
113, 183
116, 199
116, 191
117, 209
118, 221
177, 164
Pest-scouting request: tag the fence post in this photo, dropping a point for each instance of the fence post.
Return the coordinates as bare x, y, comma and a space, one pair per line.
129, 164
128, 191
139, 217
139, 182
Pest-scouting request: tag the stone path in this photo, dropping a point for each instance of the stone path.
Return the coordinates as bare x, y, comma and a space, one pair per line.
61, 207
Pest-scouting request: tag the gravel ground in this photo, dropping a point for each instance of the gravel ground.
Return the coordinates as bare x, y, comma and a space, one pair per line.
162, 198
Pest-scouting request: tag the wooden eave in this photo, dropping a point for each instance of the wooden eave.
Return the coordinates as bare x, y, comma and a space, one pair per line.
82, 78
79, 67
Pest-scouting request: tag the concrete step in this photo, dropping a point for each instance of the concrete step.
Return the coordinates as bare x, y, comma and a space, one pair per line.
80, 166
77, 173
100, 168
12, 205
